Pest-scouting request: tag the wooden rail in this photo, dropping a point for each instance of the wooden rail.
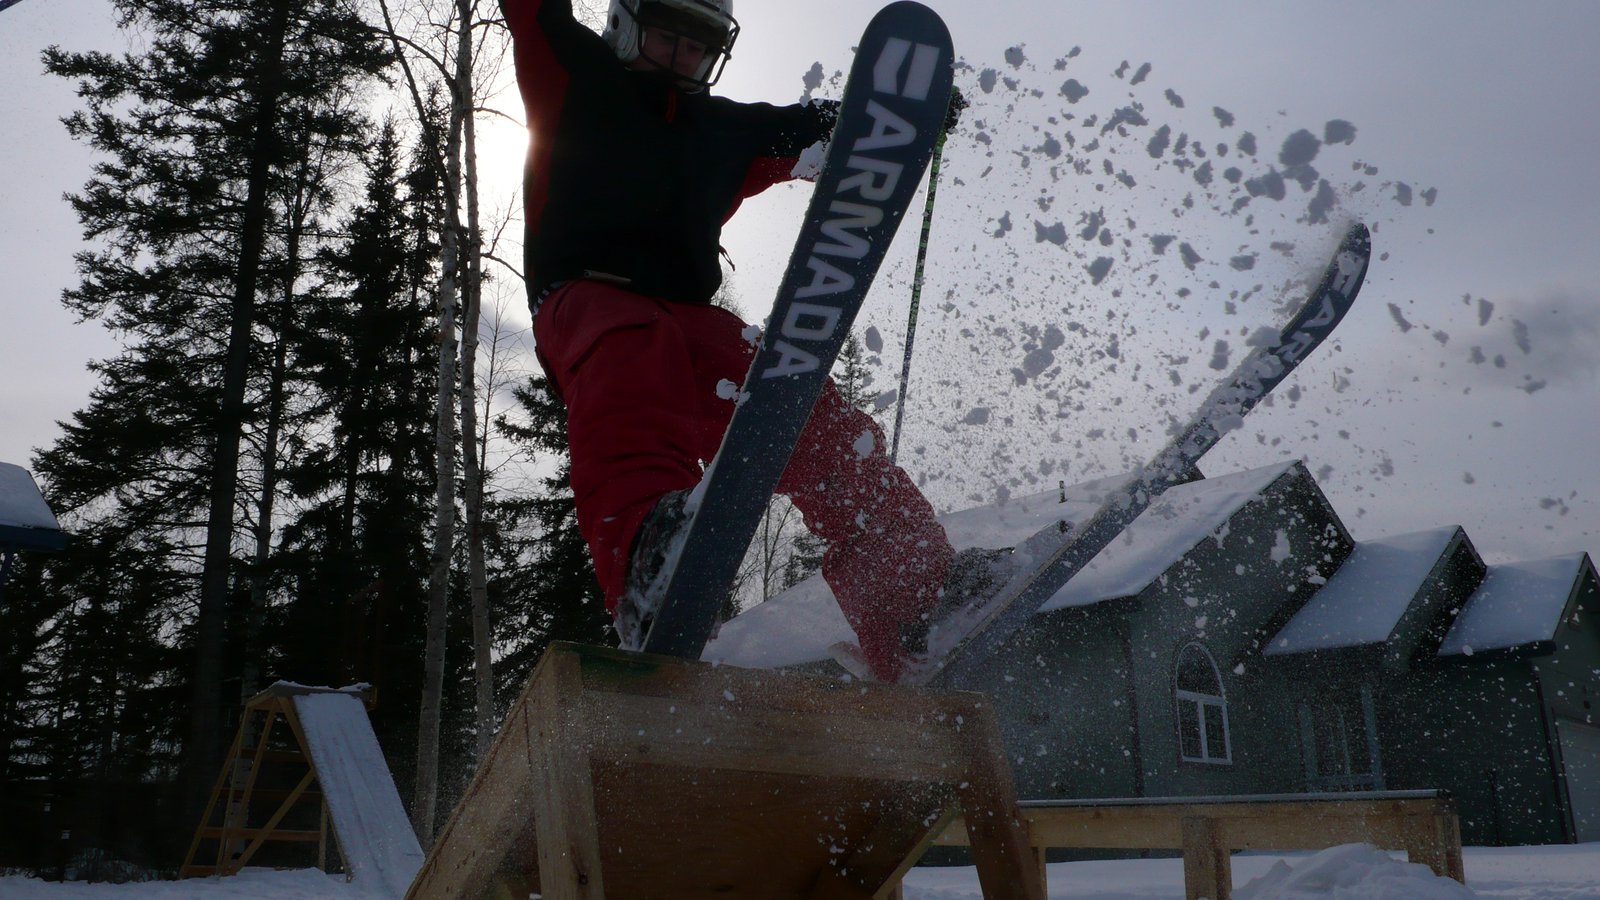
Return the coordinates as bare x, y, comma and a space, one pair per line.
1208, 829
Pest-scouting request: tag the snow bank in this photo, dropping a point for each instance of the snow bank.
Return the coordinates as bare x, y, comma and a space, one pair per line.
1352, 872
1562, 872
251, 884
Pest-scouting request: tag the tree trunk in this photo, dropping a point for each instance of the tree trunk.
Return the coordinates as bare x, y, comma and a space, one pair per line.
204, 746
425, 805
255, 618
473, 477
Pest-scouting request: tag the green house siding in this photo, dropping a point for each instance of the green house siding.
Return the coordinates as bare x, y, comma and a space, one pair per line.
1070, 728
1569, 680
1571, 672
1416, 637
1478, 730
1229, 595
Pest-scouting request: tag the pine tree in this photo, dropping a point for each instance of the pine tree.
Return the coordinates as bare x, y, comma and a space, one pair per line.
546, 584
853, 376
208, 136
356, 547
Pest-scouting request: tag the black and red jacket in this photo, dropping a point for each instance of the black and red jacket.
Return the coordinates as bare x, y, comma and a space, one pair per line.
627, 175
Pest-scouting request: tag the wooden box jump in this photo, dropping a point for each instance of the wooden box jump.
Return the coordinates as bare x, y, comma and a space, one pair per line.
627, 775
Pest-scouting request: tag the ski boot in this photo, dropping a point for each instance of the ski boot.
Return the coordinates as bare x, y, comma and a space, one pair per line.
976, 575
660, 535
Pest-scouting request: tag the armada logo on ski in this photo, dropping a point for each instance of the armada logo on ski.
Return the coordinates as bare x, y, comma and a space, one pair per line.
1350, 268
904, 71
924, 65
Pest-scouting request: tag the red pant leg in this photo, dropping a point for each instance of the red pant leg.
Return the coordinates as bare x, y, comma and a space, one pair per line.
626, 373
887, 555
640, 378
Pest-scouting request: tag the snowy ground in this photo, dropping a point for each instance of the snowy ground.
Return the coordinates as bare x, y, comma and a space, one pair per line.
1353, 872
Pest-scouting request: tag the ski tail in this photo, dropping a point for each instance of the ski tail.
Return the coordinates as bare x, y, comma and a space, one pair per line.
1264, 369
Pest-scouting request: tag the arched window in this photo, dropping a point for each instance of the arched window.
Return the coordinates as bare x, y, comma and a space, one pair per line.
1202, 708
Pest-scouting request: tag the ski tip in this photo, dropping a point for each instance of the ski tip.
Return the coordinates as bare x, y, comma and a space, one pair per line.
903, 14
901, 7
1358, 238
1352, 261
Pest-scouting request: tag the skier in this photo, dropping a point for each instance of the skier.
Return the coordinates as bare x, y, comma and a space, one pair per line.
633, 169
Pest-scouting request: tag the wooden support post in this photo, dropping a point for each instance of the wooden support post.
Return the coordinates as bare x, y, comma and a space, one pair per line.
1007, 866
1207, 868
565, 823
1435, 842
265, 832
1448, 829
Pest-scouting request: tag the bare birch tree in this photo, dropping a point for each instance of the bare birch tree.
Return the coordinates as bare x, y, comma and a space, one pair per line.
468, 40
452, 65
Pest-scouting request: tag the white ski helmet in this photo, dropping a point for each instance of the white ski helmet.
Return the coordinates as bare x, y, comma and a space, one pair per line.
710, 22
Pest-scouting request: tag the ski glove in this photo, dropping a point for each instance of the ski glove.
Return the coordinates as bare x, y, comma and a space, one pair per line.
953, 116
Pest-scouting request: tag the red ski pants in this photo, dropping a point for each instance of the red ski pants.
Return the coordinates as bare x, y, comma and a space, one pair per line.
640, 378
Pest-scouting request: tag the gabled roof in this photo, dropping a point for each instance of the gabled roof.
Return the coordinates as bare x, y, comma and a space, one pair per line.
26, 522
1364, 601
1163, 535
800, 624
1518, 604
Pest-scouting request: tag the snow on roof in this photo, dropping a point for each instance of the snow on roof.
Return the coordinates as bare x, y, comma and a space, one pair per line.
1517, 604
21, 504
1175, 524
1363, 601
1013, 520
800, 624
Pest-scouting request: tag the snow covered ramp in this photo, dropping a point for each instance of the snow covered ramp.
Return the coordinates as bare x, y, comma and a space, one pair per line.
380, 849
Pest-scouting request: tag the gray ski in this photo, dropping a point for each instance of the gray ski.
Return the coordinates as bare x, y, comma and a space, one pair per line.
893, 109
975, 635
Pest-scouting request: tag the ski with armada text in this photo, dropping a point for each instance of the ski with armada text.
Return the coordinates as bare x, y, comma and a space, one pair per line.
1050, 559
894, 106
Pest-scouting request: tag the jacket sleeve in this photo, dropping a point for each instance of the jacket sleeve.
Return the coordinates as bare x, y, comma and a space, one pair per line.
781, 136
551, 48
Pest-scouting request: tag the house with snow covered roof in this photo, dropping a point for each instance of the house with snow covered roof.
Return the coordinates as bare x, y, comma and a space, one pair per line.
1237, 640
26, 522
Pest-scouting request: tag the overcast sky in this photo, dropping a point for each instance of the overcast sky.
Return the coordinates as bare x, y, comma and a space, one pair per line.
1462, 390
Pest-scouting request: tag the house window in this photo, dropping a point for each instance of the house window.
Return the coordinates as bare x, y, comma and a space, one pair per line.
1339, 741
1202, 708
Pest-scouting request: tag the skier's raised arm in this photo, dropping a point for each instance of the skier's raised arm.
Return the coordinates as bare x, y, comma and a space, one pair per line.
784, 135
551, 48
